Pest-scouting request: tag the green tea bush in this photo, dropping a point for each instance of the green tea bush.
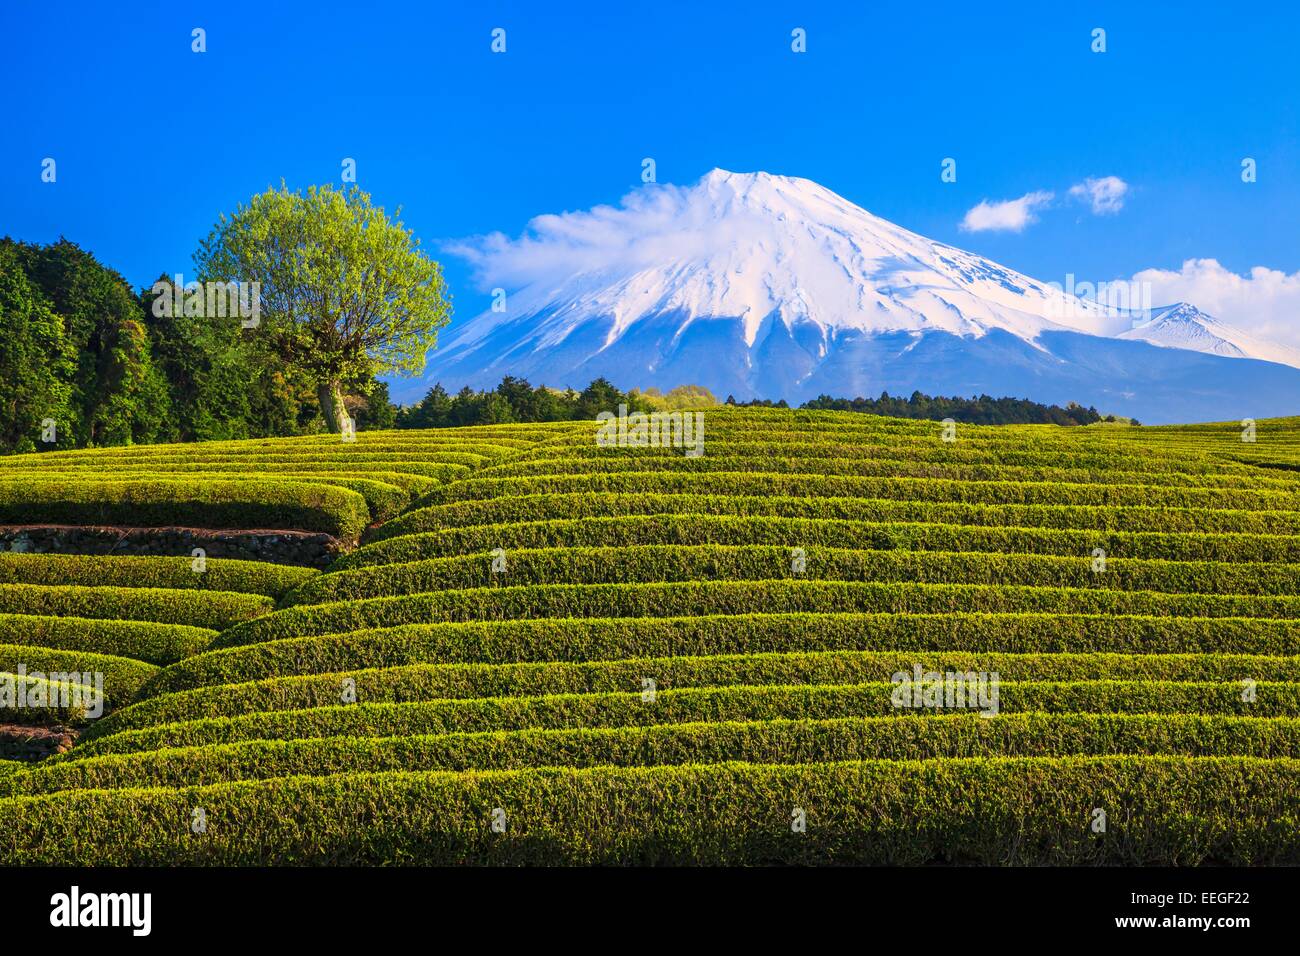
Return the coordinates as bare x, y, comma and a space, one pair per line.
123, 677
409, 682
739, 597
1164, 810
201, 504
645, 563
714, 742
207, 609
687, 705
911, 489
1135, 518
143, 640
578, 640
130, 571
724, 529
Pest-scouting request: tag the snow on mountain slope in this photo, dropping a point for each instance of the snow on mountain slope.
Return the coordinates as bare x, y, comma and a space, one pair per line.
759, 247
1183, 326
774, 286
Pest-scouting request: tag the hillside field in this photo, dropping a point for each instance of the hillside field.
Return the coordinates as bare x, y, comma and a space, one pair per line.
531, 649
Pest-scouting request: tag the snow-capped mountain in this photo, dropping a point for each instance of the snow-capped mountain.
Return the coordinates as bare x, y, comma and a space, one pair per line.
771, 286
1183, 326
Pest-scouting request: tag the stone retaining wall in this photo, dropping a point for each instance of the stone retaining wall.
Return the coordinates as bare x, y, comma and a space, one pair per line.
309, 549
34, 743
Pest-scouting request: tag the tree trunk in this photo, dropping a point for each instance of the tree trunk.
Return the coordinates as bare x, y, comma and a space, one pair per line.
332, 407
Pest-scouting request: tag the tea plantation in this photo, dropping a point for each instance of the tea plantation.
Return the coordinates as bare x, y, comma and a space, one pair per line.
535, 650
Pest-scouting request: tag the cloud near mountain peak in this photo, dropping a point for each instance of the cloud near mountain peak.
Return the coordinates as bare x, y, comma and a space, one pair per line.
1008, 215
649, 226
1264, 302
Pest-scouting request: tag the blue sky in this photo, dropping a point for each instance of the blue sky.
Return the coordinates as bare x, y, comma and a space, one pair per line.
153, 141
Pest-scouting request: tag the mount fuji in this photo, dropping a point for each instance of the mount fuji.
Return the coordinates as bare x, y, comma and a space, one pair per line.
768, 286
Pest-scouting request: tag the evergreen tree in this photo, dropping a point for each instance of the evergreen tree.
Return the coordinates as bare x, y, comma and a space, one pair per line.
36, 363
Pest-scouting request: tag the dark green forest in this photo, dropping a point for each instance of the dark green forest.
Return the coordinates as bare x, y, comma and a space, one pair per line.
81, 349
981, 410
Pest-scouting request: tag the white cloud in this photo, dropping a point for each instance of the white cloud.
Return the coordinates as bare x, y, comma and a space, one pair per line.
1010, 215
1265, 302
1105, 194
649, 226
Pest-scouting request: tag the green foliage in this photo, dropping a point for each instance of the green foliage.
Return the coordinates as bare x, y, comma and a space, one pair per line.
785, 484
47, 701
672, 562
142, 640
545, 641
346, 293
513, 509
383, 500
678, 399
205, 609
377, 413
36, 360
313, 677
118, 394
777, 741
219, 574
153, 502
1162, 687
514, 400
724, 529
1167, 810
224, 381
984, 410
742, 597
123, 677
686, 705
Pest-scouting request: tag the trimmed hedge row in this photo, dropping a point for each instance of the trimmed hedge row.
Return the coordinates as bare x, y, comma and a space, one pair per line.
558, 639
201, 504
214, 610
713, 529
123, 677
382, 499
765, 742
1160, 810
774, 461
1065, 454
390, 467
821, 421
141, 640
991, 441
637, 564
366, 443
686, 705
911, 489
517, 508
738, 597
36, 700
219, 574
437, 680
1281, 464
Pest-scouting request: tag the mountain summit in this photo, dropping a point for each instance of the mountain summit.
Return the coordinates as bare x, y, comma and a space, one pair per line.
776, 287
